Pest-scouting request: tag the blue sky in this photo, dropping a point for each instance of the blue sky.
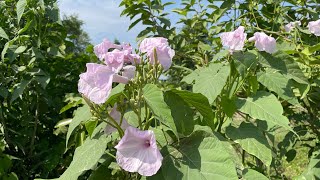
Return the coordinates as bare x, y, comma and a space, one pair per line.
102, 19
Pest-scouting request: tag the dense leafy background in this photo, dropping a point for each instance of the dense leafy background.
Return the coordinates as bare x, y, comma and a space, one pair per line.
248, 115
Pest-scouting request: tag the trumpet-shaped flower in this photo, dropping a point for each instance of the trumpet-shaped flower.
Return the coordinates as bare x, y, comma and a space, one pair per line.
116, 115
234, 40
264, 42
115, 60
137, 151
314, 27
289, 27
96, 83
164, 53
101, 49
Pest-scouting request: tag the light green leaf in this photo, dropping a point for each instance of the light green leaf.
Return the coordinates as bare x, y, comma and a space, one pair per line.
85, 157
209, 81
154, 98
21, 4
250, 174
20, 49
204, 47
82, 114
3, 34
198, 157
252, 140
182, 114
279, 84
264, 106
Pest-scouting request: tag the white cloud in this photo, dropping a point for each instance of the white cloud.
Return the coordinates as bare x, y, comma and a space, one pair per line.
102, 19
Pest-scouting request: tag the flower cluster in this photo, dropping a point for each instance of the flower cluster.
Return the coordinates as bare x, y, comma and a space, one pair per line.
235, 40
137, 150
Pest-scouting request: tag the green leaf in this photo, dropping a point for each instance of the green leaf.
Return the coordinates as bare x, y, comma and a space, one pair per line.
165, 21
63, 122
182, 114
284, 63
204, 47
264, 106
19, 88
3, 34
244, 62
20, 49
252, 140
4, 92
102, 172
82, 114
85, 157
115, 93
70, 105
250, 174
193, 159
228, 106
200, 103
21, 4
279, 84
211, 81
154, 98
90, 126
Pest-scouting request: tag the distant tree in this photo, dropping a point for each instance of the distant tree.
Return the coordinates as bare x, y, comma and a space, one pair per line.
79, 38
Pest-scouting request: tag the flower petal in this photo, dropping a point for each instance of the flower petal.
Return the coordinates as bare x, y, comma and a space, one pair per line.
137, 152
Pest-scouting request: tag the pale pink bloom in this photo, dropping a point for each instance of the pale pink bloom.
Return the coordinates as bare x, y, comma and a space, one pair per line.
127, 74
116, 115
234, 40
134, 58
314, 27
128, 56
289, 27
264, 42
101, 49
114, 60
163, 51
137, 151
96, 83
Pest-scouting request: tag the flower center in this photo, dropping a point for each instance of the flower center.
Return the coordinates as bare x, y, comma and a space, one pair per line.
147, 143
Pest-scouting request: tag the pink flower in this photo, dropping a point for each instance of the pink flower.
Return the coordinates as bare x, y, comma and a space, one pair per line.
264, 42
163, 50
127, 74
114, 60
314, 27
234, 40
137, 151
128, 56
116, 115
101, 49
96, 83
289, 27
